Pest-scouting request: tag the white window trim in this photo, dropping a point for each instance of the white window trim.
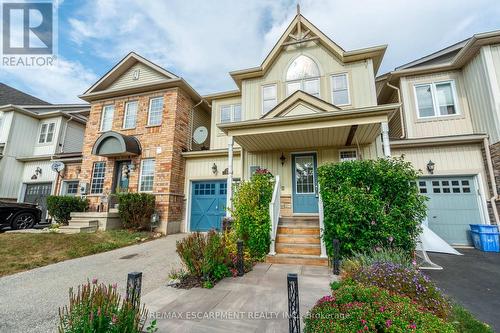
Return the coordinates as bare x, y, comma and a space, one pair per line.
347, 149
435, 100
140, 175
126, 112
102, 117
231, 113
64, 186
301, 81
348, 88
46, 133
149, 111
275, 85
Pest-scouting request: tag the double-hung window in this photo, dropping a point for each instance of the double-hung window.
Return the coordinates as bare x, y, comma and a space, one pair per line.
436, 99
147, 175
98, 175
340, 89
107, 118
230, 113
46, 132
269, 97
155, 111
130, 117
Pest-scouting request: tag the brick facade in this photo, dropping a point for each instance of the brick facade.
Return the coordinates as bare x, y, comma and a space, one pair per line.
71, 171
164, 143
495, 158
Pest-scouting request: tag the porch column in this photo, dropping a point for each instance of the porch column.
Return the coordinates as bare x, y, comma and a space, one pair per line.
229, 198
385, 139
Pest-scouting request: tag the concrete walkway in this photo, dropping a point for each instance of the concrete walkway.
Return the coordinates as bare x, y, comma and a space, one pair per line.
256, 302
29, 301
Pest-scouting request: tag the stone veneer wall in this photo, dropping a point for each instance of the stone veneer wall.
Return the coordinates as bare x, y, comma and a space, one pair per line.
164, 143
495, 157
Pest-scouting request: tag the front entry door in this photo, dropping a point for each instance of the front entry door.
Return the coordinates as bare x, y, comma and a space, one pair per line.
121, 181
304, 183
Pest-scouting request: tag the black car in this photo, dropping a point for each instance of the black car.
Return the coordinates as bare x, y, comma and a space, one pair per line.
19, 215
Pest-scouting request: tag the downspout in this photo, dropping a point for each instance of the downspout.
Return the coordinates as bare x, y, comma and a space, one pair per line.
403, 132
61, 149
494, 198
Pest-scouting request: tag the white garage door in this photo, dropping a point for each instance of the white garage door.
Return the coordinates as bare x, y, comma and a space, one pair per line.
454, 203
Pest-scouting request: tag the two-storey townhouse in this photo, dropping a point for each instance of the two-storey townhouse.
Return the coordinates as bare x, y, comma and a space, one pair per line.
310, 102
139, 125
449, 127
32, 138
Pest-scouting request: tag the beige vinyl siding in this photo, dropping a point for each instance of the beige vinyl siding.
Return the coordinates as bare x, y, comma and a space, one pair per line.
48, 148
47, 175
495, 54
5, 125
478, 94
449, 160
201, 118
360, 77
200, 168
73, 141
436, 126
147, 75
395, 130
218, 140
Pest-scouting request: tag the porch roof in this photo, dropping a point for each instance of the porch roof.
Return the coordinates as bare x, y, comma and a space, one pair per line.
332, 128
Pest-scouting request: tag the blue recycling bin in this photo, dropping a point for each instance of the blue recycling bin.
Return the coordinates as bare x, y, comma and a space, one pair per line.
486, 241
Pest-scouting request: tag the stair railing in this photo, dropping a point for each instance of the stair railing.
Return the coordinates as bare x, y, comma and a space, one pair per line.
321, 224
274, 214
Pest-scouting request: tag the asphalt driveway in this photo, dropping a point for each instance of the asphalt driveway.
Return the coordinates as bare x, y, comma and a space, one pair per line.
29, 301
473, 280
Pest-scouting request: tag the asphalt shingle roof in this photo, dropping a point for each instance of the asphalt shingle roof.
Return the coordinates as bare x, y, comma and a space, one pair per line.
9, 95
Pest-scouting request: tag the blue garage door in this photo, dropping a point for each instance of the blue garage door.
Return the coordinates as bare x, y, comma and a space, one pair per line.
453, 205
208, 205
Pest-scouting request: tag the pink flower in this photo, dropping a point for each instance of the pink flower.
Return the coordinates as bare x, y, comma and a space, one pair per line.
381, 309
413, 326
98, 311
115, 285
114, 319
373, 223
94, 281
391, 239
363, 321
388, 323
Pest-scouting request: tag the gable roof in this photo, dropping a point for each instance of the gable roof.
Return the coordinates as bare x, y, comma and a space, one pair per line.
121, 67
300, 30
300, 97
10, 95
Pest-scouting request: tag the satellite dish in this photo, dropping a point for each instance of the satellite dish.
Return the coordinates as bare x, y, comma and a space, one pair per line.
200, 135
57, 166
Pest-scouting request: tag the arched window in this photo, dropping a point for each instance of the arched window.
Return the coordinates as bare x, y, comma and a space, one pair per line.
303, 74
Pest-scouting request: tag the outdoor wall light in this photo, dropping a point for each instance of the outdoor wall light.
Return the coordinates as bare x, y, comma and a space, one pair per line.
282, 159
214, 169
430, 167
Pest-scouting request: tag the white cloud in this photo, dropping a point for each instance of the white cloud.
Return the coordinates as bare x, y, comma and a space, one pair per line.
203, 40
60, 83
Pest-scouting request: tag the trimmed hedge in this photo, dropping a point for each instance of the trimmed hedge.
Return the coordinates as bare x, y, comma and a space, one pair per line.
60, 207
371, 204
135, 210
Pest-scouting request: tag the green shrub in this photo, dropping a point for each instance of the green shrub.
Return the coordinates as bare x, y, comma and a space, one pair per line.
98, 308
359, 260
404, 281
205, 256
135, 210
370, 204
357, 308
60, 207
251, 213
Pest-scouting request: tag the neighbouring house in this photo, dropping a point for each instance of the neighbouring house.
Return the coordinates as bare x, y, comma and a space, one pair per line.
139, 125
310, 102
33, 135
450, 115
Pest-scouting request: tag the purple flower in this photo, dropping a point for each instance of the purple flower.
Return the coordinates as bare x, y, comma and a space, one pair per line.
94, 281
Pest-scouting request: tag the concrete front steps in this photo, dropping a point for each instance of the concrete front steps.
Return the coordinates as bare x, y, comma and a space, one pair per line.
298, 242
92, 221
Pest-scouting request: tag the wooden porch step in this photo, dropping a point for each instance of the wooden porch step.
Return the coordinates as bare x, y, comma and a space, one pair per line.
295, 219
296, 259
298, 230
298, 239
289, 248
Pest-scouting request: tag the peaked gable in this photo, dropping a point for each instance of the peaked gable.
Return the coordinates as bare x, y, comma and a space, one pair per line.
133, 70
302, 32
300, 103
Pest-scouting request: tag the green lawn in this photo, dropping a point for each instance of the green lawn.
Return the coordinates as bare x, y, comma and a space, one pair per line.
20, 252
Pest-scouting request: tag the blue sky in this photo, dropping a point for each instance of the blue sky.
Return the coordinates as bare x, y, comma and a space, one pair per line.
203, 40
